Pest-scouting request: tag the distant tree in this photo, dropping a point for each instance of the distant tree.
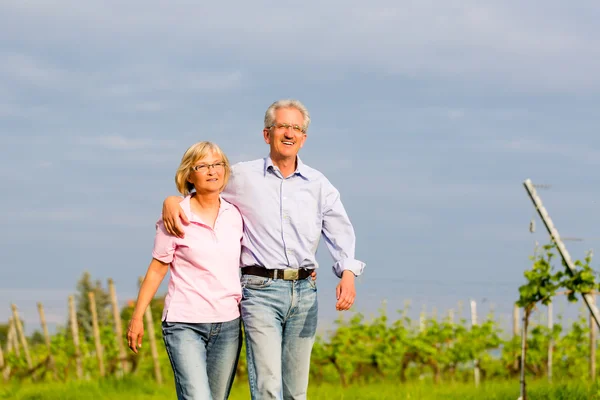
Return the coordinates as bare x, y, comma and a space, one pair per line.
36, 338
84, 314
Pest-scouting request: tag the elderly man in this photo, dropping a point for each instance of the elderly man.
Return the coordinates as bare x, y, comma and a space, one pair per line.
286, 206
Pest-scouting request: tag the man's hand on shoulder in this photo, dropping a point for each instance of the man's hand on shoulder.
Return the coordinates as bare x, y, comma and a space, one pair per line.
345, 291
173, 216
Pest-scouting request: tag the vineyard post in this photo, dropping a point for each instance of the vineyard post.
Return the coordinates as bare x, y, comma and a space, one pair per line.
118, 325
474, 323
47, 339
523, 350
97, 343
12, 344
516, 331
422, 320
451, 316
562, 250
515, 320
152, 339
592, 345
21, 335
75, 333
550, 341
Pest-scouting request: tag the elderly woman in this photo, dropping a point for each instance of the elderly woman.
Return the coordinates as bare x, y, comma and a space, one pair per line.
201, 317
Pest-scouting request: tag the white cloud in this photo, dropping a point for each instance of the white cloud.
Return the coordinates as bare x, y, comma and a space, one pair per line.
523, 46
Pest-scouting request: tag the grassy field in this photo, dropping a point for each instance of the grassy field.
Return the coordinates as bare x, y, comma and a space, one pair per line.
137, 390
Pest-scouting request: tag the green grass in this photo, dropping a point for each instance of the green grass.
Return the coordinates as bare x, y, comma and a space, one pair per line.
131, 389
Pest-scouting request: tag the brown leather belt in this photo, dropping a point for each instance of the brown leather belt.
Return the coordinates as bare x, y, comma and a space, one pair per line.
285, 274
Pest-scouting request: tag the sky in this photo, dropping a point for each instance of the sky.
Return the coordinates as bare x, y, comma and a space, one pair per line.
426, 115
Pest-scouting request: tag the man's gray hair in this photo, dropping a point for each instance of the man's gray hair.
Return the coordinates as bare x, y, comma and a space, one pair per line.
287, 103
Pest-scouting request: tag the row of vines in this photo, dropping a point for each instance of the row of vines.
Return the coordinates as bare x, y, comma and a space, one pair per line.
358, 350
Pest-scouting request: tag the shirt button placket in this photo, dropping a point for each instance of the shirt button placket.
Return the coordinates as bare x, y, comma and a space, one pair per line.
285, 220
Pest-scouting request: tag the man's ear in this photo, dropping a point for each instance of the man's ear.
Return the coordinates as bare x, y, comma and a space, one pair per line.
302, 140
267, 135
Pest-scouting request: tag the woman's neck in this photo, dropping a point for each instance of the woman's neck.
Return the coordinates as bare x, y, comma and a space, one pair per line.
207, 201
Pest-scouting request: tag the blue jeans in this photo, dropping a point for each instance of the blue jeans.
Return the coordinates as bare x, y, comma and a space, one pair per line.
280, 322
204, 357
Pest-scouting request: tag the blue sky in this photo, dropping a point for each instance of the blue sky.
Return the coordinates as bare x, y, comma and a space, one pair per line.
427, 116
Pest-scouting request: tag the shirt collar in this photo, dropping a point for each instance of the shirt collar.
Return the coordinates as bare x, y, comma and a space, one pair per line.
301, 168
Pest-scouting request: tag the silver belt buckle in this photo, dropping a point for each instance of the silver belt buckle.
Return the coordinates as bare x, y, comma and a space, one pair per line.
290, 274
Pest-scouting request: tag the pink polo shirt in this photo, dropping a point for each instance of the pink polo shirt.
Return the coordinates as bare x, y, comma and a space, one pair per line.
204, 285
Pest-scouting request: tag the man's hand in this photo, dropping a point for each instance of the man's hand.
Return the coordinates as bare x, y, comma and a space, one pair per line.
173, 215
345, 291
135, 333
313, 274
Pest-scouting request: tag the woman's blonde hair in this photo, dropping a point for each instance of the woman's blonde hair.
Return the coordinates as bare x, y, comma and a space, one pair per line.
192, 155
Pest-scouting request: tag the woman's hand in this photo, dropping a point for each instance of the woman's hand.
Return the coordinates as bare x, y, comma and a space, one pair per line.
135, 333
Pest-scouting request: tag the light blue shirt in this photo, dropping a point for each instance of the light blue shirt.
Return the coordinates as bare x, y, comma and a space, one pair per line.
284, 218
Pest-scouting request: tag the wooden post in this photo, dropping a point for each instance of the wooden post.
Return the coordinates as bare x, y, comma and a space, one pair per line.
118, 325
21, 335
451, 316
473, 323
99, 356
75, 333
593, 344
550, 342
47, 339
12, 344
152, 340
153, 350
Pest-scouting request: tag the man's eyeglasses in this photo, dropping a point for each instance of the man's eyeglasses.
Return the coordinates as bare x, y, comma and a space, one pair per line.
218, 166
295, 128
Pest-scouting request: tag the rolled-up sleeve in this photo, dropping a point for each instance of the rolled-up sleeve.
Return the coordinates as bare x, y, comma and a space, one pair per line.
164, 244
339, 234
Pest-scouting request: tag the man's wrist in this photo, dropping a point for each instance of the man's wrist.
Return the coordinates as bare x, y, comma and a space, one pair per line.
347, 273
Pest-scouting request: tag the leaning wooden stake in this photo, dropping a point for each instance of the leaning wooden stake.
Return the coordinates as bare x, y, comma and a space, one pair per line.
51, 364
21, 335
562, 249
152, 339
96, 330
75, 333
118, 325
473, 323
